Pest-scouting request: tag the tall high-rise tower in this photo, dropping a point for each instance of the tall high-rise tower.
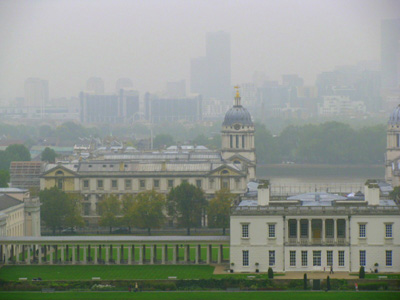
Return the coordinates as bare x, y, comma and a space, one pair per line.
238, 137
36, 93
390, 53
218, 53
211, 75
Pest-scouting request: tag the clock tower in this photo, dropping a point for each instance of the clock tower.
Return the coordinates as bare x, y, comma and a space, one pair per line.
238, 137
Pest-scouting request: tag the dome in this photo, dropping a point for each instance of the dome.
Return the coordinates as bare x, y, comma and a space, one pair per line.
237, 114
395, 116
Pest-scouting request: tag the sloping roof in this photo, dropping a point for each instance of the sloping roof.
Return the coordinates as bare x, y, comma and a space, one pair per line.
8, 201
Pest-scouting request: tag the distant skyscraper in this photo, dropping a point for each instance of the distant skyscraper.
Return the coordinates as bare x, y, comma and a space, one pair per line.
123, 83
36, 92
390, 53
95, 85
211, 75
218, 53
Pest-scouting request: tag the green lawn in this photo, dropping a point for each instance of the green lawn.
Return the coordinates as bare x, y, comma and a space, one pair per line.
206, 295
110, 272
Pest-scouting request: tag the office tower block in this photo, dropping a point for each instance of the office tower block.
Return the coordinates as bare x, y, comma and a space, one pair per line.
95, 85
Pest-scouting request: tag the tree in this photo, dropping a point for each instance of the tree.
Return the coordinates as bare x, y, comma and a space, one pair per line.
328, 283
14, 152
219, 209
109, 209
305, 281
49, 155
127, 203
361, 273
162, 140
4, 178
270, 273
59, 209
147, 210
186, 203
18, 152
395, 194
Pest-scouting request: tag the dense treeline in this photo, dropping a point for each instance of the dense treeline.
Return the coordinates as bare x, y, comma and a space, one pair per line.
327, 143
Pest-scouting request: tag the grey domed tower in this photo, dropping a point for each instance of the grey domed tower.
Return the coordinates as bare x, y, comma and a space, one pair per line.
238, 137
392, 157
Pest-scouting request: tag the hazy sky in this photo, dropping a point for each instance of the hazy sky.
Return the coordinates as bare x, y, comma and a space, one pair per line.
151, 42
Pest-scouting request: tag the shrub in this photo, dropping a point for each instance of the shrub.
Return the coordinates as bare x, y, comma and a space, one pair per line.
270, 273
305, 281
328, 283
361, 274
373, 286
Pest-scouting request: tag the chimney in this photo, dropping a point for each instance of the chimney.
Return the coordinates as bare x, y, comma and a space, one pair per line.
263, 193
372, 192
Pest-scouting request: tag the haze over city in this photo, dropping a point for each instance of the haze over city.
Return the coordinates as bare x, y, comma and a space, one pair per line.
152, 42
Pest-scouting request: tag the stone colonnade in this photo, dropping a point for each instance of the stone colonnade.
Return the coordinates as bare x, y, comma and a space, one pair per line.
123, 252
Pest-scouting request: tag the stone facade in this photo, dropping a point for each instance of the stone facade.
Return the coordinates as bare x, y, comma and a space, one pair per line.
316, 232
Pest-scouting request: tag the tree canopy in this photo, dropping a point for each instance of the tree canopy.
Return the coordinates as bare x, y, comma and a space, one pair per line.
59, 209
49, 155
186, 203
162, 140
219, 209
109, 210
15, 152
4, 178
146, 210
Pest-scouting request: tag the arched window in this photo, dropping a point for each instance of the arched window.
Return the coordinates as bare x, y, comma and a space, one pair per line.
237, 162
224, 172
59, 173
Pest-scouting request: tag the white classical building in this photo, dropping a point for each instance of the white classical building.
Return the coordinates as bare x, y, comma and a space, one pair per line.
316, 232
19, 214
130, 173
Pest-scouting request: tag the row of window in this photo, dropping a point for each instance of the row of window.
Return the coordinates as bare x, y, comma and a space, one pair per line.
316, 258
328, 229
317, 228
238, 137
271, 231
156, 183
362, 230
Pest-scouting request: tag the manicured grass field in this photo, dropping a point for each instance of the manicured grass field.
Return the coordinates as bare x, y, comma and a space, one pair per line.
206, 295
116, 272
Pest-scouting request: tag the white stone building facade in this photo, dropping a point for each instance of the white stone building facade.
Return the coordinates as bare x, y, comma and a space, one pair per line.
316, 232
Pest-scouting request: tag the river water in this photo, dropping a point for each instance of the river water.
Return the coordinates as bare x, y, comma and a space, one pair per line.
290, 179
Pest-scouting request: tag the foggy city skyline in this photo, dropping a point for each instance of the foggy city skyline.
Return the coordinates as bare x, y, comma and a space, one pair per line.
152, 43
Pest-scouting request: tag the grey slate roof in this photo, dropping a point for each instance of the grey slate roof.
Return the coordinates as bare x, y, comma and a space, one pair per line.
8, 201
119, 239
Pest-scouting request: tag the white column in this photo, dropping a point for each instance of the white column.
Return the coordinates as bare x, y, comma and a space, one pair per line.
5, 254
118, 255
141, 255
152, 254
129, 255
298, 231
163, 254
16, 251
40, 254
28, 259
323, 231
209, 254
51, 255
309, 230
174, 254
73, 254
220, 253
84, 254
335, 231
61, 253
96, 249
185, 254
107, 255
